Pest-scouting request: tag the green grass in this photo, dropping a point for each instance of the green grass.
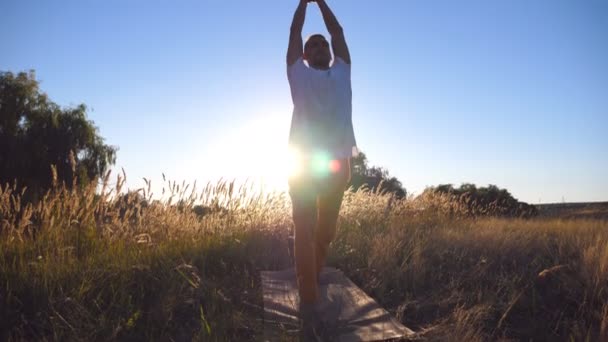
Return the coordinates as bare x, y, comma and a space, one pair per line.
81, 266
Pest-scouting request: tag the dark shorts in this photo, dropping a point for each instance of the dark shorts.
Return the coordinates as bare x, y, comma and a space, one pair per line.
319, 178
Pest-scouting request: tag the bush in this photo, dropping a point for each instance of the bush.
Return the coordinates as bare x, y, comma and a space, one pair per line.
468, 200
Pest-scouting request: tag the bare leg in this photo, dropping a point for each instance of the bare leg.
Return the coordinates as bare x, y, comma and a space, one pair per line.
328, 204
305, 218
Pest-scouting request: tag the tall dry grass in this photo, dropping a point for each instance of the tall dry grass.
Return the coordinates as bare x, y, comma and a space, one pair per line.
459, 279
103, 264
99, 264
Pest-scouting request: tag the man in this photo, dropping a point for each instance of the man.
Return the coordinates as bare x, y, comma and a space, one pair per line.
322, 134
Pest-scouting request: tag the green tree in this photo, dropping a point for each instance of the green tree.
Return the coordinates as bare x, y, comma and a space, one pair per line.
36, 133
375, 178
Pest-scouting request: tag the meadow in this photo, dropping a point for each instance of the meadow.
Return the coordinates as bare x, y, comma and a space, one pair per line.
89, 264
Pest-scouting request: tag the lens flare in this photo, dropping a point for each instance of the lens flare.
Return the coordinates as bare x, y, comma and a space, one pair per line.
320, 163
334, 166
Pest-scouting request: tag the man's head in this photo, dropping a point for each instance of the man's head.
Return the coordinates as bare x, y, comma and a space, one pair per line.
316, 51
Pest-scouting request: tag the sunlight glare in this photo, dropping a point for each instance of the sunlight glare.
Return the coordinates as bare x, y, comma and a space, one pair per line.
255, 151
294, 166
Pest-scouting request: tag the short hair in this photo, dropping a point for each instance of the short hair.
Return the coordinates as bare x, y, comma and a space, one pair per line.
311, 36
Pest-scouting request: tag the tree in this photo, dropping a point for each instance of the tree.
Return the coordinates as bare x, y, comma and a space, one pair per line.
374, 177
36, 133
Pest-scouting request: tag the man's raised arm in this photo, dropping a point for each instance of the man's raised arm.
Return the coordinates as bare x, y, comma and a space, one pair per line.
295, 49
338, 42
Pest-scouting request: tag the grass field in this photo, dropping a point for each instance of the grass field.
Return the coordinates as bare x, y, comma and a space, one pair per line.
81, 265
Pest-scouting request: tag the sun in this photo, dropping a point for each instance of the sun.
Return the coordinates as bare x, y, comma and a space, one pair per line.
257, 152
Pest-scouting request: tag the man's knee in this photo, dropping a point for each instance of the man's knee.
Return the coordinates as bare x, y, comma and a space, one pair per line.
304, 211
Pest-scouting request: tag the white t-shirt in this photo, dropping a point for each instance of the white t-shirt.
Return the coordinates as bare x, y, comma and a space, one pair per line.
322, 113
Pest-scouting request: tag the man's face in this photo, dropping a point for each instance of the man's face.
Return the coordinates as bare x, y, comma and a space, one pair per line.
316, 51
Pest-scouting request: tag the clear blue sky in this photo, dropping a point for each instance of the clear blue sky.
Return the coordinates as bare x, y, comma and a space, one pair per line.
505, 92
